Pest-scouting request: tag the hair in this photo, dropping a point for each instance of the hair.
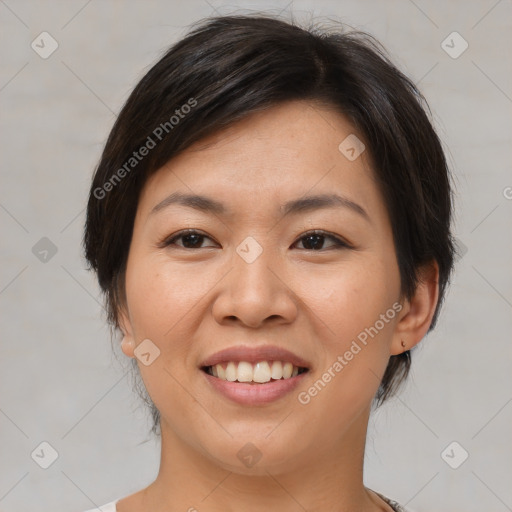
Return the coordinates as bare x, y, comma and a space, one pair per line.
228, 67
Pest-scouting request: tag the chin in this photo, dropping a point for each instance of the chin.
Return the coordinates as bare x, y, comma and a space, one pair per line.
255, 455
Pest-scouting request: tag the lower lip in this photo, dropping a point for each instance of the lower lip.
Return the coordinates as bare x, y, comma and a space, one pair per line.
254, 394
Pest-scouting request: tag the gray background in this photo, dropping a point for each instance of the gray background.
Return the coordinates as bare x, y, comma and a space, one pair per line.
60, 381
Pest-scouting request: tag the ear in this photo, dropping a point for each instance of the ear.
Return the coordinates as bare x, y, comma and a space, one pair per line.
416, 315
128, 341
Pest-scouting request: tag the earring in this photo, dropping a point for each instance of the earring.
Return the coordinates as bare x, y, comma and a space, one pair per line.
403, 344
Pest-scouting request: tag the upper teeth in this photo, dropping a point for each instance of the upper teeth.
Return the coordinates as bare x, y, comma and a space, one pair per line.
262, 371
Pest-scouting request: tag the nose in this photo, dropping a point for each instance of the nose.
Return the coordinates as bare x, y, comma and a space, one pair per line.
256, 293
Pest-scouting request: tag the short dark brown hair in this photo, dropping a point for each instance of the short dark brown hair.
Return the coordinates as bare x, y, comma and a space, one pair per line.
228, 67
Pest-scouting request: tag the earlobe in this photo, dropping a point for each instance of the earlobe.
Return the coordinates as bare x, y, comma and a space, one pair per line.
127, 342
128, 345
418, 311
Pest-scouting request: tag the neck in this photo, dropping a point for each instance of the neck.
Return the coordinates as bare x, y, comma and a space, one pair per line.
327, 479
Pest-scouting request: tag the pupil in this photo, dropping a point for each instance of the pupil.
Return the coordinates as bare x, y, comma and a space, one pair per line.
196, 239
317, 244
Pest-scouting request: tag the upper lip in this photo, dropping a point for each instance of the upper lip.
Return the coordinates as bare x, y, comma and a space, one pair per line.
255, 354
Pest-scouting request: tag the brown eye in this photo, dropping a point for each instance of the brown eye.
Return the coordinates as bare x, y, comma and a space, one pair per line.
191, 239
314, 241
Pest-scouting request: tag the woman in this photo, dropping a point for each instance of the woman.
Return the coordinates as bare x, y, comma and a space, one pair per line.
270, 224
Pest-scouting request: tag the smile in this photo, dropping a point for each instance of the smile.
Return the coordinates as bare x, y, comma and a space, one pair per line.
258, 373
254, 384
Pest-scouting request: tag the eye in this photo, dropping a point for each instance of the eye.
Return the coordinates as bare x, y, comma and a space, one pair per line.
191, 239
314, 240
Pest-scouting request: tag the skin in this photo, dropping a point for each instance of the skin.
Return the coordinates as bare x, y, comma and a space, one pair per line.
192, 302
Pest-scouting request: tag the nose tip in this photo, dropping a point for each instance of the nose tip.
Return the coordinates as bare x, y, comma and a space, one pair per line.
253, 293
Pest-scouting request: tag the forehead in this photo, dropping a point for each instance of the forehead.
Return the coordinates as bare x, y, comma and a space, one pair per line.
284, 152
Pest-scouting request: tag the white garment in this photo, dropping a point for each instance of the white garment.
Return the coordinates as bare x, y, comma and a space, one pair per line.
109, 507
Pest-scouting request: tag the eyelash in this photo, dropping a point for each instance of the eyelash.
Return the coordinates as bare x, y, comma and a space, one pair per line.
339, 243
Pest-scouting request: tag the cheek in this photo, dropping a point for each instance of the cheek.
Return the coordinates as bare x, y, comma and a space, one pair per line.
351, 298
164, 302
160, 295
168, 303
356, 319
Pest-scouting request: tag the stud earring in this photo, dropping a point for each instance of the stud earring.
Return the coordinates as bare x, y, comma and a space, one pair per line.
403, 344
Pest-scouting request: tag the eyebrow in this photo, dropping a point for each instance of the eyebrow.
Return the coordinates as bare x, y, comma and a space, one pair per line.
304, 204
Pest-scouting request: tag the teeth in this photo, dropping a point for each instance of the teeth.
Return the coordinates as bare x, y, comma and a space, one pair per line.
261, 372
221, 373
245, 372
287, 370
231, 372
277, 370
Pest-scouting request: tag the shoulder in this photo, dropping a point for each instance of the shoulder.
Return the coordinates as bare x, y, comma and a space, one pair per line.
109, 507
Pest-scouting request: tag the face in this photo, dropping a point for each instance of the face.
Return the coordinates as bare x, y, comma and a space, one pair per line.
289, 258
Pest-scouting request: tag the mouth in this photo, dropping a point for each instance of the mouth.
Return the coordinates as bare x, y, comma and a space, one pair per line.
261, 372
254, 375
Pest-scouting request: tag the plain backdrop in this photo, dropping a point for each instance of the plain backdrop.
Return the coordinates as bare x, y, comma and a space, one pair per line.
60, 381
